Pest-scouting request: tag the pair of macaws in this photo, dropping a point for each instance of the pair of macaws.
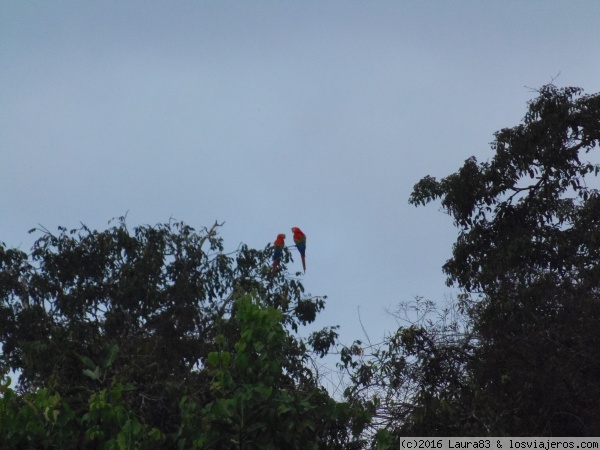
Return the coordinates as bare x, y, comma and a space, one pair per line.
299, 240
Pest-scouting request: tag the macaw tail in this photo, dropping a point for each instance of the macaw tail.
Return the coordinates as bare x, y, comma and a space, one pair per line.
301, 246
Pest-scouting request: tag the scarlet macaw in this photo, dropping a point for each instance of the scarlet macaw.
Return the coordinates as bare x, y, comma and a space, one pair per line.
278, 244
300, 241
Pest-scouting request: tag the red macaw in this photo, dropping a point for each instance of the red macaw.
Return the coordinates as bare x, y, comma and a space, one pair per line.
300, 241
278, 244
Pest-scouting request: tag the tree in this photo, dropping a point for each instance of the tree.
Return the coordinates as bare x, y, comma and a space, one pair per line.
518, 353
124, 328
527, 259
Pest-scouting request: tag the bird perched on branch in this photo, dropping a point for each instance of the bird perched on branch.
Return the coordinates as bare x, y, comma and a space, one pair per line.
300, 241
278, 244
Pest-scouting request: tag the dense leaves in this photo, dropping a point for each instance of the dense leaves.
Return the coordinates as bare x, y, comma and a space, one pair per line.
518, 352
527, 259
154, 323
254, 406
530, 211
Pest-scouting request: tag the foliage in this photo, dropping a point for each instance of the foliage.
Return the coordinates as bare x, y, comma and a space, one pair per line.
527, 261
518, 352
44, 420
156, 335
528, 216
254, 406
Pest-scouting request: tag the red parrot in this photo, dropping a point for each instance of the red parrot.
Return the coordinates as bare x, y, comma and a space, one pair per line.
278, 244
300, 241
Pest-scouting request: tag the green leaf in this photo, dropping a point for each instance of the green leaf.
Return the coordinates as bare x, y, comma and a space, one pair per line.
113, 350
225, 358
240, 346
94, 375
155, 434
213, 359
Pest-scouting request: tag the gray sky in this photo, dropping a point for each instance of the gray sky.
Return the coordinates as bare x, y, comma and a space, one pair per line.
268, 115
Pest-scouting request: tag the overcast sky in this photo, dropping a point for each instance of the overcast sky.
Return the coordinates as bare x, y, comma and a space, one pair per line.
268, 115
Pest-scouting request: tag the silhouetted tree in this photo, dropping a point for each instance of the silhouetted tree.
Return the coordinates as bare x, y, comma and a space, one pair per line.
522, 354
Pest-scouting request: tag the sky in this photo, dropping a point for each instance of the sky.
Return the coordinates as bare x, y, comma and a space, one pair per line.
273, 114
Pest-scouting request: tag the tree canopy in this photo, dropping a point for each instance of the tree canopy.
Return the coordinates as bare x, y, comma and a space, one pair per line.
518, 352
527, 259
157, 334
